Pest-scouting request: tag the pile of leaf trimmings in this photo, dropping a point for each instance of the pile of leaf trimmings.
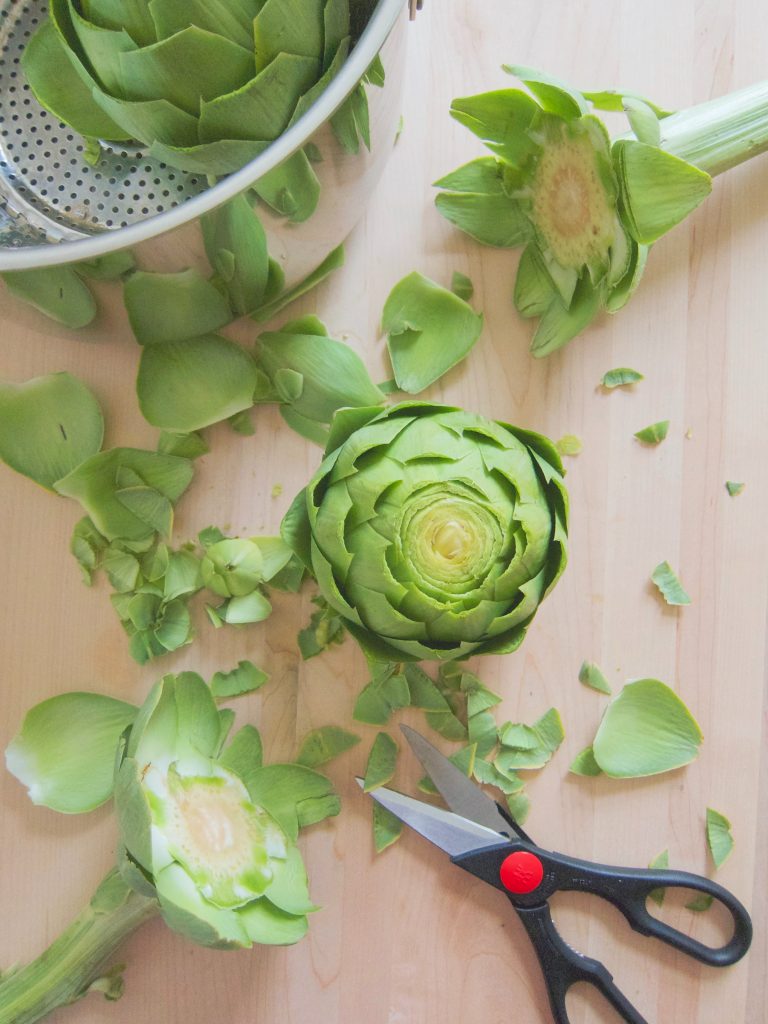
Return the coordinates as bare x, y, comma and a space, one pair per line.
206, 87
207, 831
587, 210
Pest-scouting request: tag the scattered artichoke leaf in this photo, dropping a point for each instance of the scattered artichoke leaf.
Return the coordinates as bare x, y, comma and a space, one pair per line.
122, 569
325, 629
653, 434
387, 827
387, 691
295, 796
351, 122
110, 267
462, 286
65, 751
483, 732
182, 575
315, 375
188, 446
733, 488
210, 535
87, 545
569, 444
381, 762
621, 377
645, 730
524, 746
669, 585
519, 805
96, 484
700, 903
487, 773
57, 292
430, 330
719, 837
309, 429
659, 862
591, 676
332, 261
425, 694
48, 426
292, 189
241, 423
479, 697
585, 764
324, 744
185, 385
236, 246
245, 678
173, 307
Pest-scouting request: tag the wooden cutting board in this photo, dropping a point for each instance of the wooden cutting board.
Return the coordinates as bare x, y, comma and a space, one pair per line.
404, 937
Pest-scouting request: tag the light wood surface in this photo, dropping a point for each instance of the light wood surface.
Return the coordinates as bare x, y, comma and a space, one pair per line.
405, 938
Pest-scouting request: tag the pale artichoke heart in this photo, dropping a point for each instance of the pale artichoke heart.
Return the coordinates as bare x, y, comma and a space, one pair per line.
573, 211
208, 825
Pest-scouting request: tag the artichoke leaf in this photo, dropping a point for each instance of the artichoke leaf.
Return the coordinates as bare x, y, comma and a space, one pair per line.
187, 385
60, 88
186, 67
274, 303
719, 838
263, 107
324, 744
289, 26
173, 307
381, 762
292, 189
501, 119
555, 96
234, 21
236, 229
65, 751
57, 292
430, 330
215, 158
48, 426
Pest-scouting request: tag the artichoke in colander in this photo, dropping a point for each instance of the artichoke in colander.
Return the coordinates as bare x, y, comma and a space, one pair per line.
205, 84
433, 532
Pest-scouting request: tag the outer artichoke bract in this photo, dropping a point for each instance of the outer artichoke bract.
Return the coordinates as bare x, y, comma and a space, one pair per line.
434, 532
194, 832
206, 84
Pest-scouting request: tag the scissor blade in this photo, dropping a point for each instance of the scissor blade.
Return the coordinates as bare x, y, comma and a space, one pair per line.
452, 833
459, 792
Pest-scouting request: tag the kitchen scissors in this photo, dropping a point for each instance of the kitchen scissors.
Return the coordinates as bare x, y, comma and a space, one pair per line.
484, 839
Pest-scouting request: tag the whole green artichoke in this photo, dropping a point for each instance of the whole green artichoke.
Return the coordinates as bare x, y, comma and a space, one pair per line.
205, 84
433, 532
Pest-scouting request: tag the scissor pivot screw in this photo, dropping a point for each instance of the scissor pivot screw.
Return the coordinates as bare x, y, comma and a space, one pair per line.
521, 872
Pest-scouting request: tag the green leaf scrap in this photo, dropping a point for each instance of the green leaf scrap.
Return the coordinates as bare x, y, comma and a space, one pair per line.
621, 377
387, 827
669, 585
529, 746
585, 764
241, 680
654, 434
645, 730
430, 330
569, 444
321, 745
591, 676
719, 837
381, 762
462, 286
48, 426
733, 488
659, 862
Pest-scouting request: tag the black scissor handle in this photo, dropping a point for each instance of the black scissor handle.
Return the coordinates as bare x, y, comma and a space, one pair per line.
563, 967
627, 889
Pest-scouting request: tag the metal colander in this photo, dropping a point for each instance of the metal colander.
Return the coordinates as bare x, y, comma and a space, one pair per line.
56, 207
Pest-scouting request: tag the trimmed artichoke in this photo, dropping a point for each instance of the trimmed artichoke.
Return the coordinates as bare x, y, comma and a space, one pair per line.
586, 209
433, 532
195, 828
205, 84
207, 833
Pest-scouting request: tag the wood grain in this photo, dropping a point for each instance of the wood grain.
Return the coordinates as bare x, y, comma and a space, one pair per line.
404, 937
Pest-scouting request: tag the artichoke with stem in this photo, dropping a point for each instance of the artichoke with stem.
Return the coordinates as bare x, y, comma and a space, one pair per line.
207, 832
587, 209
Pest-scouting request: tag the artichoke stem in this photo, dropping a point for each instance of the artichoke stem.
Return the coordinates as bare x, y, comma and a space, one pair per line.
721, 133
74, 963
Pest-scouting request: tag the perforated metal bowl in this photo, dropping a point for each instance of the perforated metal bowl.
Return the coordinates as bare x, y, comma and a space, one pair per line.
57, 208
